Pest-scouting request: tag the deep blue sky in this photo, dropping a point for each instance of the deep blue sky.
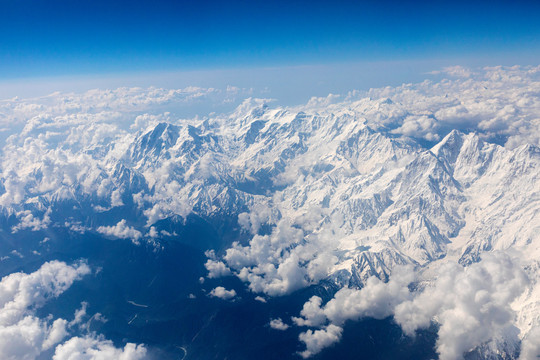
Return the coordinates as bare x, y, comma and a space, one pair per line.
66, 37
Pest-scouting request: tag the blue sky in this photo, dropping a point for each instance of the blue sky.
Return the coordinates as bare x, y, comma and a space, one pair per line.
59, 38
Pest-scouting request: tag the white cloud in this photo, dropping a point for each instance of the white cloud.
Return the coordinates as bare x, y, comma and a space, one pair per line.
423, 127
472, 306
28, 221
282, 262
92, 348
64, 139
456, 71
311, 313
216, 269
28, 337
116, 198
16, 253
278, 324
253, 220
495, 102
376, 299
121, 230
77, 227
222, 293
153, 233
79, 315
316, 340
18, 290
24, 336
322, 102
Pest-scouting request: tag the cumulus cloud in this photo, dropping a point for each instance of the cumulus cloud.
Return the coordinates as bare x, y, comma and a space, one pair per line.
497, 102
316, 340
116, 198
377, 299
321, 102
216, 269
311, 314
24, 336
282, 261
255, 218
97, 348
278, 324
27, 220
419, 126
21, 291
121, 231
222, 293
472, 306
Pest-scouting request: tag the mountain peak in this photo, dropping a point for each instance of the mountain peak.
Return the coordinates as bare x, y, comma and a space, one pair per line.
152, 144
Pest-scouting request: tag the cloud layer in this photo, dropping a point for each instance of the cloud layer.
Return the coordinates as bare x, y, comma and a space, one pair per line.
24, 336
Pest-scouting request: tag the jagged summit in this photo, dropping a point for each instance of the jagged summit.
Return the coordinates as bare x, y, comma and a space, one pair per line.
389, 194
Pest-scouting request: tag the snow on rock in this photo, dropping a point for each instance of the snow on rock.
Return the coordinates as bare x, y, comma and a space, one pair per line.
342, 190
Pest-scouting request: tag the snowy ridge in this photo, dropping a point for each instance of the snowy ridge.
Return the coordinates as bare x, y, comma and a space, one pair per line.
331, 190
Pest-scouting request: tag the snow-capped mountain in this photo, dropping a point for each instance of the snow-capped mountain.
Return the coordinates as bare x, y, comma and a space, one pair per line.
338, 192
